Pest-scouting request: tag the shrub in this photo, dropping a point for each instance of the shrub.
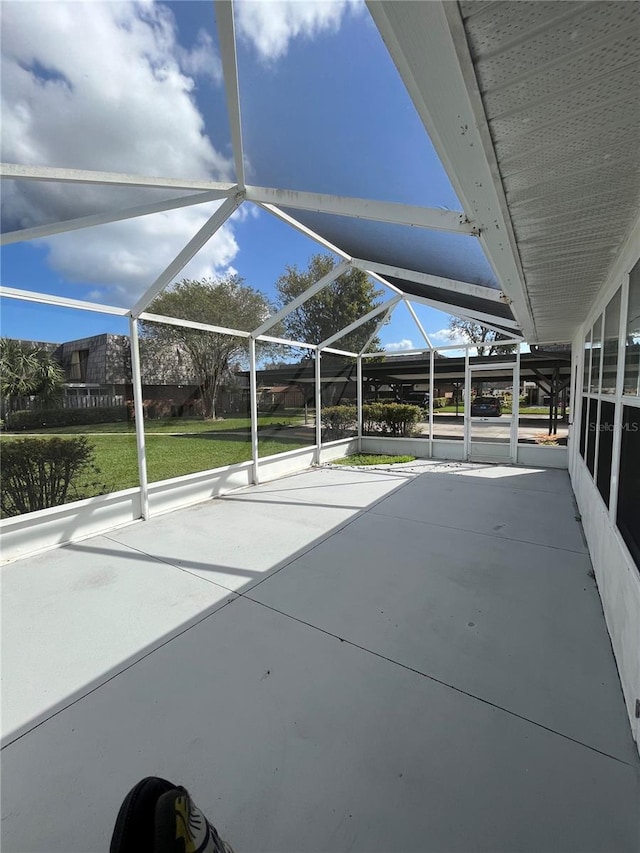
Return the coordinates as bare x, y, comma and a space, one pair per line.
338, 421
20, 421
397, 419
42, 472
439, 402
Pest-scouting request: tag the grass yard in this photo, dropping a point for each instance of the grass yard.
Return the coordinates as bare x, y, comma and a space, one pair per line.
168, 456
168, 426
372, 459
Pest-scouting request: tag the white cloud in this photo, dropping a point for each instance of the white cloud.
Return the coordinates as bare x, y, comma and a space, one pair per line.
202, 60
445, 336
398, 346
107, 86
270, 25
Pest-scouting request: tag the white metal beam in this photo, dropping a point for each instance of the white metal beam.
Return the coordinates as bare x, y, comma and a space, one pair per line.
136, 381
488, 320
182, 259
60, 301
50, 228
399, 354
456, 310
427, 42
478, 316
360, 208
411, 311
284, 217
383, 307
16, 171
227, 40
386, 283
253, 406
332, 275
384, 319
449, 284
284, 341
335, 351
318, 395
190, 324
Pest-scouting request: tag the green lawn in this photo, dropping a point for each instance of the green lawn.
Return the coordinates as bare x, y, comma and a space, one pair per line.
372, 459
169, 456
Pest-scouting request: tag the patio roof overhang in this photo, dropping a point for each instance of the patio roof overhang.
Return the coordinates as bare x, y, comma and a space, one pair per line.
537, 128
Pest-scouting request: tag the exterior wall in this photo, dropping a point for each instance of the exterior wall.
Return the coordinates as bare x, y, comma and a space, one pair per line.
617, 574
108, 361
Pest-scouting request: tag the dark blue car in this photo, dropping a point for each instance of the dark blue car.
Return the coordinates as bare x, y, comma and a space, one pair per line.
488, 407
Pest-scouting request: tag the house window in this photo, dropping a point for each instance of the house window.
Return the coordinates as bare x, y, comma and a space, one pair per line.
629, 484
632, 349
587, 362
592, 431
610, 345
596, 351
584, 427
78, 365
605, 449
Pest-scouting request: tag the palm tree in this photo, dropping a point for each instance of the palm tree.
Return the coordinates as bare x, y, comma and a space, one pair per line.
29, 370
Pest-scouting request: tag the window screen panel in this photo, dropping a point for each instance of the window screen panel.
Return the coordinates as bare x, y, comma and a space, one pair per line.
592, 431
628, 517
610, 344
632, 348
605, 448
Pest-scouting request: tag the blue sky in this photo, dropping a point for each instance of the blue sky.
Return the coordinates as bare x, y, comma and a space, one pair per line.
137, 88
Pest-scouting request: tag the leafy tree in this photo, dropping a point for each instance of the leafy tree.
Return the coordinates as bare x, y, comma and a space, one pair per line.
228, 303
486, 341
27, 370
337, 305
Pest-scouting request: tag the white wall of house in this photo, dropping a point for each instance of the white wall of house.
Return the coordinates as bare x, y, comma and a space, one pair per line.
611, 388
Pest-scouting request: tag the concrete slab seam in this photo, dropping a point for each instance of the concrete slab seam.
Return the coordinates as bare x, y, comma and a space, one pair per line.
217, 608
439, 681
481, 533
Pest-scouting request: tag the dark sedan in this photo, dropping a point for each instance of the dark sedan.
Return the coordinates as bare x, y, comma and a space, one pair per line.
488, 407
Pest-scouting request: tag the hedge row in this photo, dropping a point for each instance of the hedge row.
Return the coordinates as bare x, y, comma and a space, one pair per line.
21, 421
396, 419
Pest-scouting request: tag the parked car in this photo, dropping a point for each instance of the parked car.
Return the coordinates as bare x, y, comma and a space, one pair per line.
416, 398
488, 407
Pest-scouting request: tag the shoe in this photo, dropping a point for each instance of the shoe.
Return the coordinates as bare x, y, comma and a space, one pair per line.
159, 817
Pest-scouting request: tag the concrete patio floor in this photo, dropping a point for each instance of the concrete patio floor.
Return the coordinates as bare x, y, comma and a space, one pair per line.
406, 659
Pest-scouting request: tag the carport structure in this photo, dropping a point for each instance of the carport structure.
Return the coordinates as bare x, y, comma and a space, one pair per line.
511, 738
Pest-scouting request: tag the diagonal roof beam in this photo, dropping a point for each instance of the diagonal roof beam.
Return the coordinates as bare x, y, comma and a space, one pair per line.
332, 275
18, 172
496, 323
385, 318
383, 307
47, 230
192, 248
361, 208
227, 38
450, 284
60, 301
284, 217
411, 311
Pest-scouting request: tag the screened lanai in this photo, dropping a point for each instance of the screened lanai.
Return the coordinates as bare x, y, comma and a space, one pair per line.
435, 655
